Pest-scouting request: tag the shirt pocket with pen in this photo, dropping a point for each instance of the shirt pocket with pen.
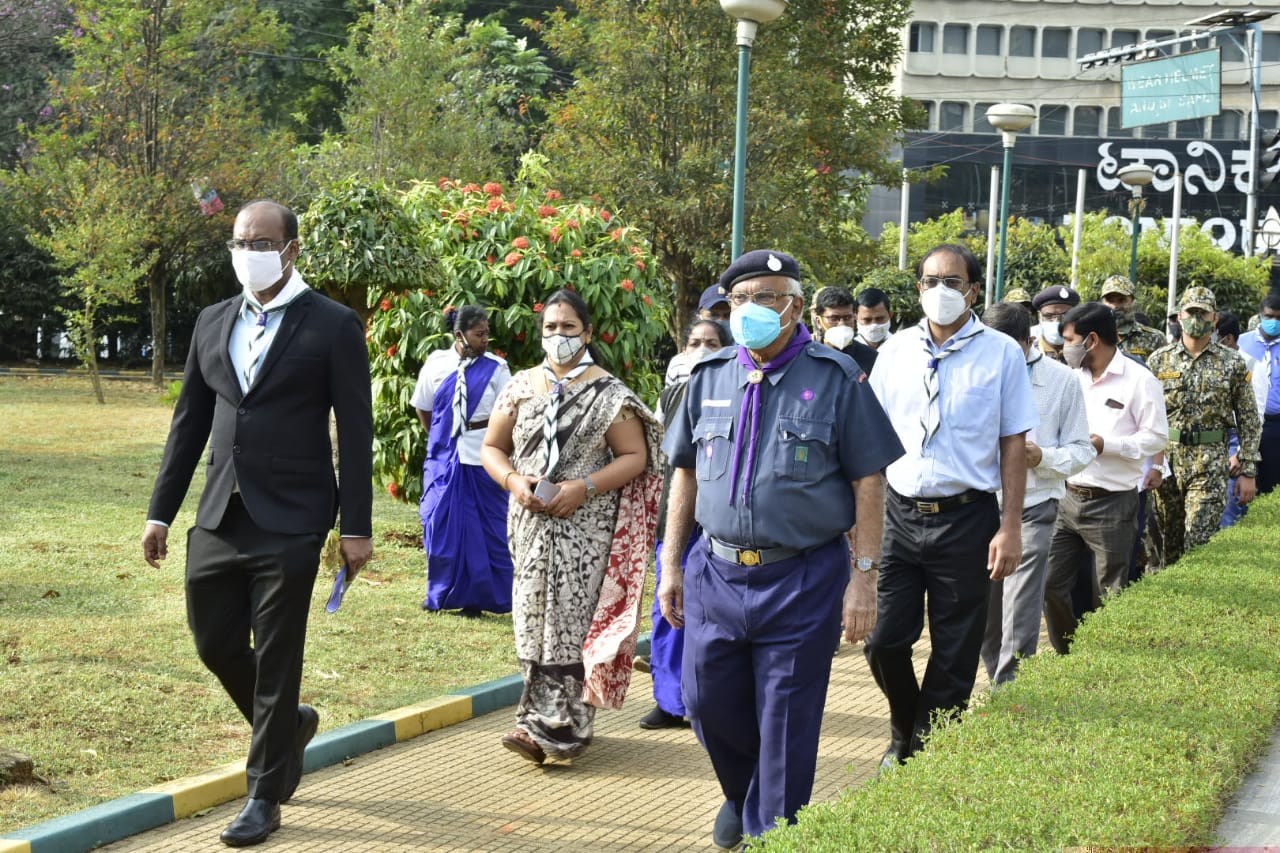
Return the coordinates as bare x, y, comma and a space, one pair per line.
711, 437
804, 448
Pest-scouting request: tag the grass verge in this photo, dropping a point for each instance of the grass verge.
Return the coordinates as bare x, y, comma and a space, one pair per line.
1136, 739
99, 681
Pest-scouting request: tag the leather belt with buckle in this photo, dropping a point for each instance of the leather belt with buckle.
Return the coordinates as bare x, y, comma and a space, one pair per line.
1088, 493
1197, 437
933, 506
750, 556
479, 424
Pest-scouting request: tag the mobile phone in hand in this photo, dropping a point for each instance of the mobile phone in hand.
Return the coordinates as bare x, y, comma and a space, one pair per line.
545, 491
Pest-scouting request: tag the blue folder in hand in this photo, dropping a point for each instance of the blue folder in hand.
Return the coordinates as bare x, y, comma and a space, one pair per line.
340, 584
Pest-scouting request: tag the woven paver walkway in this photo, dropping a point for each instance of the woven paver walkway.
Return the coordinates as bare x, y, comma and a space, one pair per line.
457, 789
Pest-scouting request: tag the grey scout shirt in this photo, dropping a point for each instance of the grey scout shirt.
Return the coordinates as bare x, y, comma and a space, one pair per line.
820, 428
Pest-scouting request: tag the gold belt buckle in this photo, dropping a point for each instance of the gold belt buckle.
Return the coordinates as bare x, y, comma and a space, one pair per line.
928, 507
749, 558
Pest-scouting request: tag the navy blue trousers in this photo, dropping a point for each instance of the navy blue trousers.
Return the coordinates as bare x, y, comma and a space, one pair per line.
757, 660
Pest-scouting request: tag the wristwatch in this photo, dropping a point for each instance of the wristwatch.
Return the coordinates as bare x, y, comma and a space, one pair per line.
866, 564
591, 487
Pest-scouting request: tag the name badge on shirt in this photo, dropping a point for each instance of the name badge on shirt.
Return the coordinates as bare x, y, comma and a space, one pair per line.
1170, 374
1114, 404
717, 404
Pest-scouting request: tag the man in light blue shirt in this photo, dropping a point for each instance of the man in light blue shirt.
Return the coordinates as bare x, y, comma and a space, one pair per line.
1262, 345
958, 395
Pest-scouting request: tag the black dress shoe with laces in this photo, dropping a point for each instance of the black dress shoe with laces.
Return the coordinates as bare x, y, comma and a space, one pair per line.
727, 832
308, 722
258, 820
660, 719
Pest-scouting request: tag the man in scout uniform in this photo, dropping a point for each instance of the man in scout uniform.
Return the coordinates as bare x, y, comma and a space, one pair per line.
777, 444
1207, 392
1119, 294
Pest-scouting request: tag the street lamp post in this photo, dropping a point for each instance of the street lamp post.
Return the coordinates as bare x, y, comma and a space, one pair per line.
1135, 176
749, 15
1008, 119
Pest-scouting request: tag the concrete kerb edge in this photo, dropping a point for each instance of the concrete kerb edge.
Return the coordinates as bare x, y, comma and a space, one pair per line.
154, 807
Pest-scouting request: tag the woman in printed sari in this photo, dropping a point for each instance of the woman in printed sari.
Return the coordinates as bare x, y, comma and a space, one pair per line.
579, 453
463, 511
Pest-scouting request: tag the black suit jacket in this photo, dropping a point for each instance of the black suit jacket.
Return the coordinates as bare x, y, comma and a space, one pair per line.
274, 440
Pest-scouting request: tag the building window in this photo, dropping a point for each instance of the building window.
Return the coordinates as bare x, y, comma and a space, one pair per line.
922, 34
927, 106
1156, 35
1192, 128
1124, 38
1193, 46
1115, 124
1056, 44
1022, 41
952, 115
955, 38
1088, 121
1271, 47
1228, 125
980, 123
1268, 118
1053, 120
1230, 48
1089, 41
988, 41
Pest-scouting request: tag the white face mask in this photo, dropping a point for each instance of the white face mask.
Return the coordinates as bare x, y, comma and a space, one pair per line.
873, 333
942, 305
1051, 332
257, 271
838, 336
562, 349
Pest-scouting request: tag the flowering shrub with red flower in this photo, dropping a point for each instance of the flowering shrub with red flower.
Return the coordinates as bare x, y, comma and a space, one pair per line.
572, 244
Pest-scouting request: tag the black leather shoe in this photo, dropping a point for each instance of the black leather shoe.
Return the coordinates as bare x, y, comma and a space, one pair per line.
727, 833
308, 722
892, 759
259, 819
660, 719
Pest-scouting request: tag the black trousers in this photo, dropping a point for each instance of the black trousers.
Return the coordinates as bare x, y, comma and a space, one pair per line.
1269, 469
942, 557
243, 581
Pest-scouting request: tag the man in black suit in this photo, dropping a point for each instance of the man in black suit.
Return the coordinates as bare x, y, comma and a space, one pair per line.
264, 371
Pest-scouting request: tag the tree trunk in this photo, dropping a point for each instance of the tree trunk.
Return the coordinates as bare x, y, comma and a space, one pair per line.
157, 282
92, 363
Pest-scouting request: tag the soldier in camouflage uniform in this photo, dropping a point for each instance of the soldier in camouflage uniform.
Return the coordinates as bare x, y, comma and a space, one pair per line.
1206, 393
1119, 294
1021, 297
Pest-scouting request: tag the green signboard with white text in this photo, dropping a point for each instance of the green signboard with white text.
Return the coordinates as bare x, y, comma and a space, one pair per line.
1173, 89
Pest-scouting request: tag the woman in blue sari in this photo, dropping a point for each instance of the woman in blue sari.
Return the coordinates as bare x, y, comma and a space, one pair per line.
464, 513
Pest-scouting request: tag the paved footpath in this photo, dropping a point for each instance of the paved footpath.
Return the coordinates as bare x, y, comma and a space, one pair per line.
458, 789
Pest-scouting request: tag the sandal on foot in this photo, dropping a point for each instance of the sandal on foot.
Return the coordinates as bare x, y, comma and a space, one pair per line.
524, 746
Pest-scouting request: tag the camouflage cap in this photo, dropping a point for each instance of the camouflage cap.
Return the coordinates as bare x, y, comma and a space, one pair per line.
1017, 295
1118, 284
1198, 297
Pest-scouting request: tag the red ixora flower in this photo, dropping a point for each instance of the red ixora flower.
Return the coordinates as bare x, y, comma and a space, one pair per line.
489, 259
394, 490
606, 215
571, 223
494, 205
471, 188
640, 265
647, 300
392, 350
576, 253
512, 258
385, 304
555, 234
608, 337
444, 183
547, 210
537, 307
554, 195
428, 293
520, 243
615, 235
493, 188
627, 284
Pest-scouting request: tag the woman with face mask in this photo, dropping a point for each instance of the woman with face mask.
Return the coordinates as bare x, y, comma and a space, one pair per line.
578, 451
463, 511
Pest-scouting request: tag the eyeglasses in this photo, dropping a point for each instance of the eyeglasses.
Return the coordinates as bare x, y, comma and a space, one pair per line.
767, 298
1052, 316
954, 282
256, 245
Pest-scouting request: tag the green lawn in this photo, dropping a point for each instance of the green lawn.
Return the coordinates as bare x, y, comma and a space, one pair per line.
99, 681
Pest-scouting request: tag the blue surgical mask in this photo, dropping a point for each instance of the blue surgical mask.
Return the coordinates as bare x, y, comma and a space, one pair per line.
1270, 326
754, 326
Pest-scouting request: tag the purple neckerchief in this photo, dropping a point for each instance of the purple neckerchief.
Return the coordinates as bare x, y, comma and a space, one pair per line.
751, 401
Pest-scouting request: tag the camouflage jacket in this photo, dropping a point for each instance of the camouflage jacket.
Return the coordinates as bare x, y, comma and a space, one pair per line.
1209, 392
1141, 341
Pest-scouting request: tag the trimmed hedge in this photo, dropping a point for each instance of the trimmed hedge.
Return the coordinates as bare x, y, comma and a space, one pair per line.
1139, 737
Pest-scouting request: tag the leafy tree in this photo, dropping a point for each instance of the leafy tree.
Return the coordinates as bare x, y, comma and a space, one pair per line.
29, 57
29, 292
507, 250
156, 91
91, 240
430, 95
650, 124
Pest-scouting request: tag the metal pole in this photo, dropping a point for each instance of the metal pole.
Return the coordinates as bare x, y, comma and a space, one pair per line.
1009, 139
740, 141
1135, 231
993, 217
1173, 246
1077, 230
1255, 76
903, 215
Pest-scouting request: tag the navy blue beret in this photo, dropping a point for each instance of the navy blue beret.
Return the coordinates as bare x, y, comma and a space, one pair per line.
1055, 295
757, 263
